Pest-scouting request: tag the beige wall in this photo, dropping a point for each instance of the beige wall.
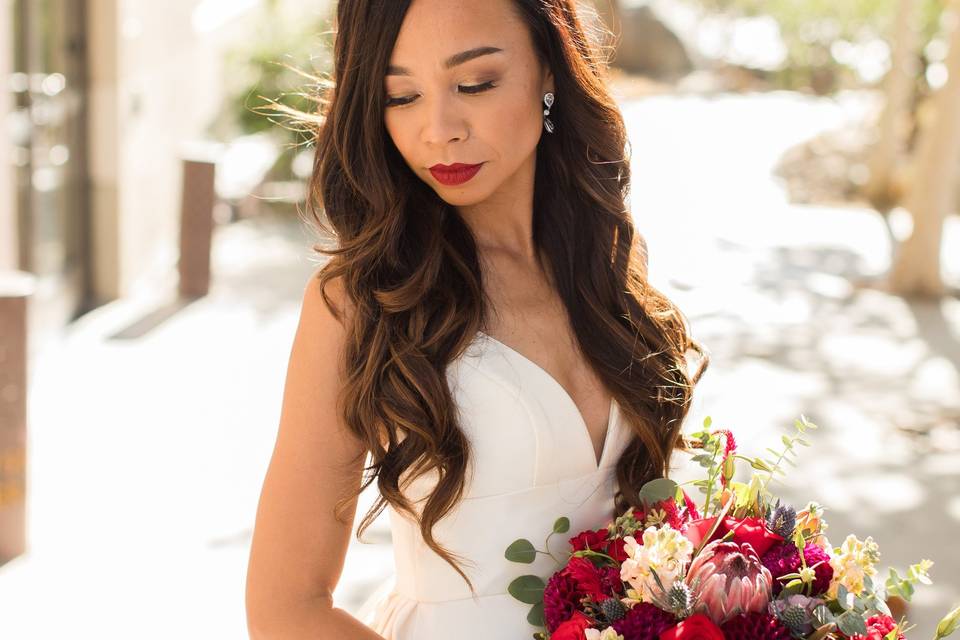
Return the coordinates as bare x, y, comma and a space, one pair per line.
8, 226
155, 85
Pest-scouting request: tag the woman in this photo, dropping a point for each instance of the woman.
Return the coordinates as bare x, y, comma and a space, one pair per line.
484, 330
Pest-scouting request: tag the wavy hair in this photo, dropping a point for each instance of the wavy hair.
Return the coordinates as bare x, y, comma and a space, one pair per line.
409, 266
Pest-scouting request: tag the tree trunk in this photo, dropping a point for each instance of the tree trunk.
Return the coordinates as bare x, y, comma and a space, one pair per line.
916, 268
881, 190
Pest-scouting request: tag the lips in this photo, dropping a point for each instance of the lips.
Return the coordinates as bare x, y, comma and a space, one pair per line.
454, 174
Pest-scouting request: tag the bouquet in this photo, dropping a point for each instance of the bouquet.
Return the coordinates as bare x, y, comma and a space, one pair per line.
745, 567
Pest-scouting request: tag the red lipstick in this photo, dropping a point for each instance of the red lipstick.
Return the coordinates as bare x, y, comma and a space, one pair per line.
454, 174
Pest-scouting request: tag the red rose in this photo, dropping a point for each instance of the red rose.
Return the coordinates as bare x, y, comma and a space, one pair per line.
749, 530
573, 628
696, 627
593, 540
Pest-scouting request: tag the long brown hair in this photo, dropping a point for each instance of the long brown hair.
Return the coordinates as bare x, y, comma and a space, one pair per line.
410, 267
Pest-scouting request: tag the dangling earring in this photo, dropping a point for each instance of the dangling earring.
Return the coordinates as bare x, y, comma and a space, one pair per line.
547, 123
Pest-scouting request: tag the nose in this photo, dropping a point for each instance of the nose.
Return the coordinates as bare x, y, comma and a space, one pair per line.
444, 122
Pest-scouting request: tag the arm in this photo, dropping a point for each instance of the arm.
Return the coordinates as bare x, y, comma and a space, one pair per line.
298, 547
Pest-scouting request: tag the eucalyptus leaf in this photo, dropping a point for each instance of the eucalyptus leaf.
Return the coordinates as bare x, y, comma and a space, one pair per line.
658, 490
527, 589
521, 550
707, 422
562, 525
851, 623
823, 615
842, 596
535, 615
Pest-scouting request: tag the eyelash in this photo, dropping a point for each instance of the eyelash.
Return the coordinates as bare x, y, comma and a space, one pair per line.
468, 89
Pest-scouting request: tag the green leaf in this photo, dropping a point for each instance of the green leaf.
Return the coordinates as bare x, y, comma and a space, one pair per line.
562, 525
707, 422
787, 442
842, 594
521, 551
658, 490
851, 623
823, 615
535, 615
527, 589
949, 624
803, 441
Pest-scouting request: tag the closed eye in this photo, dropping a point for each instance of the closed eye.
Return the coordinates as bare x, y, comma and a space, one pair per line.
468, 89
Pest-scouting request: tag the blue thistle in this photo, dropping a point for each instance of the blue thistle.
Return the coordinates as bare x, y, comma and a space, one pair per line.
782, 519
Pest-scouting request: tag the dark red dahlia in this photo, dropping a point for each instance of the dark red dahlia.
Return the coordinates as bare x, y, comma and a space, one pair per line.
755, 626
560, 599
783, 558
644, 622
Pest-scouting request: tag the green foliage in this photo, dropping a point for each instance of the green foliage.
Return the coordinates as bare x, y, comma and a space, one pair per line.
521, 551
527, 589
904, 587
810, 28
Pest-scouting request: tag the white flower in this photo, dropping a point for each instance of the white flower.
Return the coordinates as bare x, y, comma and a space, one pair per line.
665, 551
608, 634
854, 562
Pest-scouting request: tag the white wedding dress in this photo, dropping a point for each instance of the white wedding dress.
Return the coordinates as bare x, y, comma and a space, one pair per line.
532, 461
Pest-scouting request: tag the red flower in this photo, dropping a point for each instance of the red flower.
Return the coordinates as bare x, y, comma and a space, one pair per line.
573, 628
751, 530
696, 627
616, 549
593, 540
878, 627
588, 578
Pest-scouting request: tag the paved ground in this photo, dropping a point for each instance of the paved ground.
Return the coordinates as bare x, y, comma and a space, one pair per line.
151, 424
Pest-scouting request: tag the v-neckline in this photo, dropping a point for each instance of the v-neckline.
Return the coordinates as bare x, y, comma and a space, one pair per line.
597, 464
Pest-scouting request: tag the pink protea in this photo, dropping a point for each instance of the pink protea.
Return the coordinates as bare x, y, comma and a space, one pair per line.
732, 580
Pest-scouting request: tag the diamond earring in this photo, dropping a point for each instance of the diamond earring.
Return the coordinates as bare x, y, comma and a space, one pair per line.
548, 101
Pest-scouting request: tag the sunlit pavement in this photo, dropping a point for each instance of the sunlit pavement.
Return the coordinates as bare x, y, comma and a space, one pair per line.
147, 450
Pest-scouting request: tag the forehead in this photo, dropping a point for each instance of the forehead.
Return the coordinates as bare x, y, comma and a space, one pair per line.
434, 30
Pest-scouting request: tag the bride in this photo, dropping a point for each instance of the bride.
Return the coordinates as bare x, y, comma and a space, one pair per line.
483, 331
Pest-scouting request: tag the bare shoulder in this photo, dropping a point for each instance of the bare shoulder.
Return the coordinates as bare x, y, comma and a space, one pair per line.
299, 544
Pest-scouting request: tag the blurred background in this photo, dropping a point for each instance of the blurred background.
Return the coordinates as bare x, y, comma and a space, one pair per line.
795, 174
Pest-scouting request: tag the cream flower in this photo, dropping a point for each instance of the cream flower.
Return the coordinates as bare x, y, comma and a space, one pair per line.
607, 634
852, 564
665, 551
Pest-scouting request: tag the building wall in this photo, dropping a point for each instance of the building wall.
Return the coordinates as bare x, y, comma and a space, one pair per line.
8, 220
156, 84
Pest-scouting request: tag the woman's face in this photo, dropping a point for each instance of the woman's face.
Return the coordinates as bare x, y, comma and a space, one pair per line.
482, 108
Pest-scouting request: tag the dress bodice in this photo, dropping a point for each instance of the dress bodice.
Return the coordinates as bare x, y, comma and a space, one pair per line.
531, 461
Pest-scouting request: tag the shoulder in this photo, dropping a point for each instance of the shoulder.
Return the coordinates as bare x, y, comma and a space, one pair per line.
326, 301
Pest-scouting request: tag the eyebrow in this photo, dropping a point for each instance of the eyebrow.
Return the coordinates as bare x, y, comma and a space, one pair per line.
452, 61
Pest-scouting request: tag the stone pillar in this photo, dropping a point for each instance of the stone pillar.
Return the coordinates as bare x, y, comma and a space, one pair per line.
16, 287
196, 227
